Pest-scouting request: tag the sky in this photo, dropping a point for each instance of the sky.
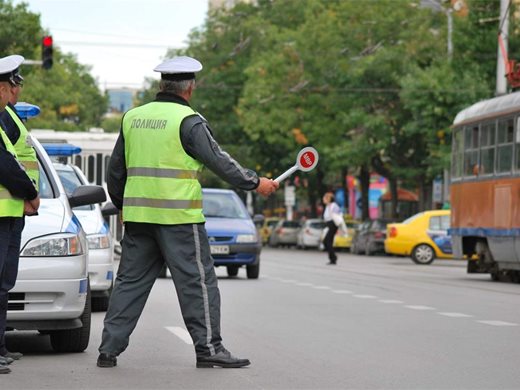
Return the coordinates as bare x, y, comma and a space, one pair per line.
122, 40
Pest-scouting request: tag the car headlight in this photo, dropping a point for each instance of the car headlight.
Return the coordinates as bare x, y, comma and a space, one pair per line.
65, 244
246, 238
98, 241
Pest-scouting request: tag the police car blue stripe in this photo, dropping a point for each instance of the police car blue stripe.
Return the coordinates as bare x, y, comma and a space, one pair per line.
83, 284
74, 225
104, 229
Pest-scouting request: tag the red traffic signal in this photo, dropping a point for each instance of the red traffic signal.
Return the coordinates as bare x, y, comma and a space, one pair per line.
47, 41
47, 50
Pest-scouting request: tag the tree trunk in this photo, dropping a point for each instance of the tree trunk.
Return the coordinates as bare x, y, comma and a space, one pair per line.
364, 181
425, 194
344, 185
395, 200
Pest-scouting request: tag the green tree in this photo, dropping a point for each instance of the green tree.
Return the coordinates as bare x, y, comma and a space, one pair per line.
67, 93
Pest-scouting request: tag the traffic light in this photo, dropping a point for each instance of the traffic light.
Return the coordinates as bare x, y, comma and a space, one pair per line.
47, 52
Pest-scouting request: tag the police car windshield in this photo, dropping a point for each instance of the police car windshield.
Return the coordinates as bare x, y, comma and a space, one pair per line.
70, 182
44, 185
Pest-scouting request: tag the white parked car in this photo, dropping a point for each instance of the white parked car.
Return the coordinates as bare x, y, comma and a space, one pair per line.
52, 292
309, 235
100, 245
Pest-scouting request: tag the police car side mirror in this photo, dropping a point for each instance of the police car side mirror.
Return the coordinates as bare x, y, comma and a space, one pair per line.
84, 195
109, 209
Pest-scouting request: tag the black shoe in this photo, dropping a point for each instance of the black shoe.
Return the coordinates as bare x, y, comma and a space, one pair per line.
5, 360
222, 359
331, 263
13, 355
4, 369
106, 360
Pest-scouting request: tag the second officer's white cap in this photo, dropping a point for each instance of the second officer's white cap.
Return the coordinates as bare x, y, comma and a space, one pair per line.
179, 68
9, 67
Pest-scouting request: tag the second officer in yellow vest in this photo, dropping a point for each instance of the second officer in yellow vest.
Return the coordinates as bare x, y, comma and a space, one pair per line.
18, 195
162, 147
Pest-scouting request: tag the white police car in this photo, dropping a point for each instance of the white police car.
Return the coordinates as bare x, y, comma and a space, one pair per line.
52, 292
100, 245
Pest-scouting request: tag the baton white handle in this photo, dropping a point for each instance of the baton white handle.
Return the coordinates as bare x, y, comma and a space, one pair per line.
286, 174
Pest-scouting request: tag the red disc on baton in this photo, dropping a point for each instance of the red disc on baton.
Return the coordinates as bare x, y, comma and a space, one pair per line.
307, 159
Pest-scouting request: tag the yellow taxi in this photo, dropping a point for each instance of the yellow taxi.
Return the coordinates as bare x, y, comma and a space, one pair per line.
267, 228
424, 237
343, 239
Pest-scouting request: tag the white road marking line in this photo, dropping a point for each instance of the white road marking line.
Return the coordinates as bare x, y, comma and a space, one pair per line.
303, 284
390, 301
364, 296
454, 315
419, 307
342, 292
287, 280
321, 287
180, 333
498, 323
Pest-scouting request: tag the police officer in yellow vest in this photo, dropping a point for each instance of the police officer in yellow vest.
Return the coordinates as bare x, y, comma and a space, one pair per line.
162, 147
18, 196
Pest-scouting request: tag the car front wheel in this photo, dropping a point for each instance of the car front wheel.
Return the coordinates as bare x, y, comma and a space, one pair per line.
253, 271
423, 254
74, 340
232, 270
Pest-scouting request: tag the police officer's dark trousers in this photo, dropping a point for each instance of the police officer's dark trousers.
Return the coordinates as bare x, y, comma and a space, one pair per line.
145, 249
10, 235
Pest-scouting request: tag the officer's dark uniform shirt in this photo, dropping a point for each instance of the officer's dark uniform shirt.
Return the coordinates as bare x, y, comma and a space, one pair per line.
10, 127
12, 176
198, 142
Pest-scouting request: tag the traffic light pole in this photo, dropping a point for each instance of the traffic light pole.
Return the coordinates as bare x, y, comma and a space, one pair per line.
32, 62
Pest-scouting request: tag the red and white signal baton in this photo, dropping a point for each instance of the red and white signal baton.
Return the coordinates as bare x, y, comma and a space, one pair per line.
306, 161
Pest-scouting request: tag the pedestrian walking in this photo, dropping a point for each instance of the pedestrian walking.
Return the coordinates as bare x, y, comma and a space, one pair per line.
333, 218
18, 196
153, 178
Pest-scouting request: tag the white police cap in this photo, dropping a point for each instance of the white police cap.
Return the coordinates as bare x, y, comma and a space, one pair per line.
9, 67
179, 68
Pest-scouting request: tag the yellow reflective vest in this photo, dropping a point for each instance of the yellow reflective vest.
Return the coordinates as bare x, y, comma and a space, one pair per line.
24, 151
162, 184
9, 205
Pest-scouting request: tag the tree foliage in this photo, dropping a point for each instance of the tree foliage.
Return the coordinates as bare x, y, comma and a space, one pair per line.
368, 83
67, 93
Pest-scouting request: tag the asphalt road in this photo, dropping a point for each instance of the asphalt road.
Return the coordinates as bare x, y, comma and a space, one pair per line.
367, 323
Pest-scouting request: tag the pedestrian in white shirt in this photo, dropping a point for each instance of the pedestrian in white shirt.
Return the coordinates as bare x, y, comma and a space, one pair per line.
333, 217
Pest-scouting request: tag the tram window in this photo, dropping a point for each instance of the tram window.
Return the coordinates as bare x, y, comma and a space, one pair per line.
107, 161
471, 151
505, 131
78, 161
471, 139
487, 161
487, 152
91, 170
471, 163
505, 145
